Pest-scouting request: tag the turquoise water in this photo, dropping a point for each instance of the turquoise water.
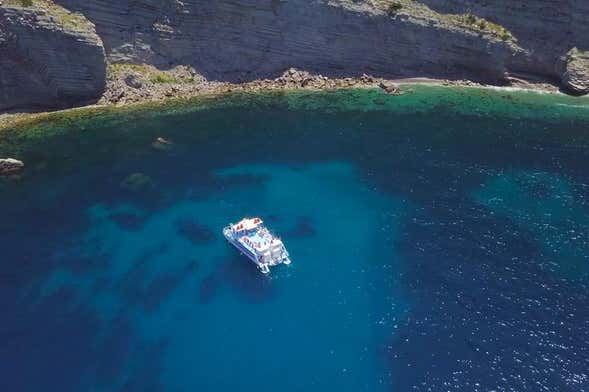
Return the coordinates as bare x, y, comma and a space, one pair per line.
441, 250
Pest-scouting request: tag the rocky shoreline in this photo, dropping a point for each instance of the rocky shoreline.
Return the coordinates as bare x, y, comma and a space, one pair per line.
130, 87
133, 88
58, 54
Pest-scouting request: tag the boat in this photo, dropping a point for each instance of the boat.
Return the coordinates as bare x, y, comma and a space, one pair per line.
255, 241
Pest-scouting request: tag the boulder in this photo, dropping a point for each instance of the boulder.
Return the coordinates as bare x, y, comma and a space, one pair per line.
576, 75
134, 80
10, 166
162, 144
390, 88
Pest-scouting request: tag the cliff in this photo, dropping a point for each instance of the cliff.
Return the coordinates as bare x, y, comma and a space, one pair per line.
547, 29
49, 58
242, 40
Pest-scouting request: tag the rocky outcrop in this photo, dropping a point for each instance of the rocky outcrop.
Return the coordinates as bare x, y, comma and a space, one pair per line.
545, 29
10, 166
576, 75
390, 88
46, 62
49, 58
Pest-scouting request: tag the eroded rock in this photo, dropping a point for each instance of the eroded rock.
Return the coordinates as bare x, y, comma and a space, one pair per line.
10, 166
576, 75
390, 88
162, 144
134, 80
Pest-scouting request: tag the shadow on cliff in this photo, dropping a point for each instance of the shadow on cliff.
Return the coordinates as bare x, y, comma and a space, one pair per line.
248, 39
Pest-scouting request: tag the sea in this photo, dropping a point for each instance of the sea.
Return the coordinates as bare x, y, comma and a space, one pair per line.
439, 242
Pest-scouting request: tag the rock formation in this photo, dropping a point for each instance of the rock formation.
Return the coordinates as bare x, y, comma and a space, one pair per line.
487, 41
10, 166
137, 182
49, 58
575, 77
545, 29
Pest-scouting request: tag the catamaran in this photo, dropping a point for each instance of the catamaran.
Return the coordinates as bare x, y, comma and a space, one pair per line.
253, 239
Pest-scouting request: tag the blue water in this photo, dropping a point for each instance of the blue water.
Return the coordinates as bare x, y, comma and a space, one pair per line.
439, 251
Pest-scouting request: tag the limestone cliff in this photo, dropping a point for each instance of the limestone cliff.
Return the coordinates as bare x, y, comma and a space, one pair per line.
546, 29
246, 39
49, 58
240, 40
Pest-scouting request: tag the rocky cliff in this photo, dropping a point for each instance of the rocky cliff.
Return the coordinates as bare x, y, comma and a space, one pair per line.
49, 58
247, 39
546, 29
240, 40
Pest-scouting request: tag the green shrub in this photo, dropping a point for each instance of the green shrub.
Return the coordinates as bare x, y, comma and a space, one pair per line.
470, 18
394, 8
161, 78
482, 24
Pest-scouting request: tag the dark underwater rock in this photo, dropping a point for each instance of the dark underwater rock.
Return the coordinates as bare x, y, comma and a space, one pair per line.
127, 221
162, 144
208, 288
194, 232
137, 182
303, 228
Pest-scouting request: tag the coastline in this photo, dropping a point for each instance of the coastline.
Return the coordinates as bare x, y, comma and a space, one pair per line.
130, 98
125, 92
22, 133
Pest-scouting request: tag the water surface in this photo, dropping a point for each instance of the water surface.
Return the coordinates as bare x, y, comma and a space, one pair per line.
440, 241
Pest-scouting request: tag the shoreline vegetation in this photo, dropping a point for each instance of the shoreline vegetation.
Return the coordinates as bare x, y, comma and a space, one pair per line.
139, 86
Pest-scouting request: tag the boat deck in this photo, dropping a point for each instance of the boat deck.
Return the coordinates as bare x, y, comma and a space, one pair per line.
257, 243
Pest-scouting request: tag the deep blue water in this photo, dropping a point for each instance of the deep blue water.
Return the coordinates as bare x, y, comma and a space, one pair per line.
439, 251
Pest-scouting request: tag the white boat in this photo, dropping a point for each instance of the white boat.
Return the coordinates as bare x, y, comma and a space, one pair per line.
253, 239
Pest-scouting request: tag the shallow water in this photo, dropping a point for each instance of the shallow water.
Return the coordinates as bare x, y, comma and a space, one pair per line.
441, 250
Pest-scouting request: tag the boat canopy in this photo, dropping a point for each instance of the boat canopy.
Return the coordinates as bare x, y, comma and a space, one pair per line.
247, 224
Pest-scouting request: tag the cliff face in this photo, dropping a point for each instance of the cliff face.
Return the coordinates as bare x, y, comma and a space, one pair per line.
239, 40
546, 29
245, 39
46, 61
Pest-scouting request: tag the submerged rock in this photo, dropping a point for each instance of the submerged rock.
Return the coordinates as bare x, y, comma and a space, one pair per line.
127, 221
576, 76
137, 182
162, 144
194, 232
304, 228
10, 166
